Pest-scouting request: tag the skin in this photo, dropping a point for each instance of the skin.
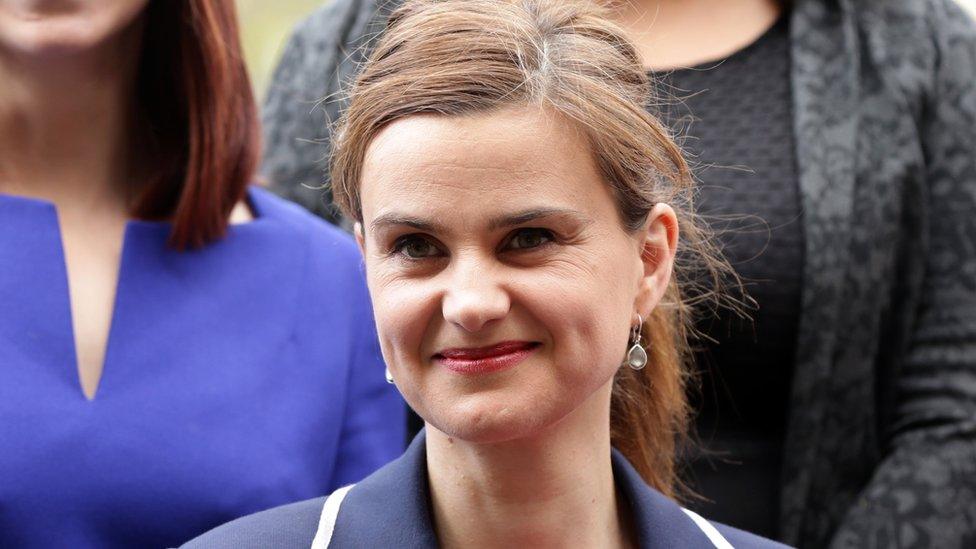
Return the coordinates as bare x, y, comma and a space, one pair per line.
69, 134
452, 261
672, 34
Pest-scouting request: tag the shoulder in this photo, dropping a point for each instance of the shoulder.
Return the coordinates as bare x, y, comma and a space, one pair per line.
332, 24
335, 15
658, 517
332, 18
389, 508
744, 540
317, 47
904, 45
326, 262
727, 537
296, 226
912, 35
284, 527
900, 12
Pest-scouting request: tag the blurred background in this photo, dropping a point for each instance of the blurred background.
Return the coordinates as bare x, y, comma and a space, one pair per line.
266, 25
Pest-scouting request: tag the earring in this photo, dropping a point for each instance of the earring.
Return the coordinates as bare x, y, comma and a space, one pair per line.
636, 355
389, 376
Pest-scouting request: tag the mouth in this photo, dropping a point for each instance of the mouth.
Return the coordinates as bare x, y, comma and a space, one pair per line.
484, 360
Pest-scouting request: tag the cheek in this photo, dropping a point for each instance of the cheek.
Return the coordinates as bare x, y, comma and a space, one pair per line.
407, 312
589, 336
404, 310
586, 308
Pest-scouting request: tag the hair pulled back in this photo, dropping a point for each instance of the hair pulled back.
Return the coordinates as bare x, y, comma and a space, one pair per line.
462, 57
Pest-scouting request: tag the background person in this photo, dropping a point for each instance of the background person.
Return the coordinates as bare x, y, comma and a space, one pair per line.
845, 415
519, 213
176, 348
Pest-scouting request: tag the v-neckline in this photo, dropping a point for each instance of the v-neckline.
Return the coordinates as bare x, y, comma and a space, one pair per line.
160, 229
73, 293
66, 291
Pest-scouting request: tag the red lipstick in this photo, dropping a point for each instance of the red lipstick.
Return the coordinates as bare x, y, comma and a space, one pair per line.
484, 360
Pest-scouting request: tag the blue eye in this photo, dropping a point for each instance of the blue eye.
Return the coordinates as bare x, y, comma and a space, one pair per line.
524, 239
415, 247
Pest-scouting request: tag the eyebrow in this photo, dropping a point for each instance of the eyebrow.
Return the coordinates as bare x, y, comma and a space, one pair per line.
508, 220
533, 214
394, 219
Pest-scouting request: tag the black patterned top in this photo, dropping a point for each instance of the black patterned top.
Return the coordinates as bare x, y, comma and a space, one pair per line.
734, 119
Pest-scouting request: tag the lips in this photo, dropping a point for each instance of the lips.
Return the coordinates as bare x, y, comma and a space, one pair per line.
483, 360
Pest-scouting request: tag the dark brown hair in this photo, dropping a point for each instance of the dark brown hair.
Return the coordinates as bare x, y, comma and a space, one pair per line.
196, 95
458, 57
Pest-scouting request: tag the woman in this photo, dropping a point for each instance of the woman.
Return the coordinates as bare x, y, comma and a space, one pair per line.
176, 348
519, 213
839, 135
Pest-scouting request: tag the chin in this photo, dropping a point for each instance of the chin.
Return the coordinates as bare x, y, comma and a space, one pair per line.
65, 28
484, 419
49, 47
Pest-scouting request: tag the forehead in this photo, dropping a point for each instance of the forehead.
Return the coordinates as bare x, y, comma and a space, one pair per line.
478, 165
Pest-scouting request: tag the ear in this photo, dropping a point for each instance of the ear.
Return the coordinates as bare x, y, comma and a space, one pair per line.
357, 230
659, 243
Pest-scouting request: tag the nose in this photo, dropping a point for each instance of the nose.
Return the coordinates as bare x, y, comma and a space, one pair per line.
475, 296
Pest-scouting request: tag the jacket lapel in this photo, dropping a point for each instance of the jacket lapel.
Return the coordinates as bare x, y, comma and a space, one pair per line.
660, 522
825, 95
391, 507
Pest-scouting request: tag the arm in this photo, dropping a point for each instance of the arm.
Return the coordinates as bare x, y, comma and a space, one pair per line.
374, 424
923, 493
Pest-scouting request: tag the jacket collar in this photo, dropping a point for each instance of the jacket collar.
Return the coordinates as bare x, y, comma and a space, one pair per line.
391, 508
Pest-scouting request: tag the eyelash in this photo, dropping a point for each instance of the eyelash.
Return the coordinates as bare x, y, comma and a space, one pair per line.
401, 243
546, 234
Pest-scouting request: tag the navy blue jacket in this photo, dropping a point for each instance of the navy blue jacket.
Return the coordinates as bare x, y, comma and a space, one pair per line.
391, 508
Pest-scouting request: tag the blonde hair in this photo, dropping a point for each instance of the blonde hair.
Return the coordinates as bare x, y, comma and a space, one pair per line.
460, 57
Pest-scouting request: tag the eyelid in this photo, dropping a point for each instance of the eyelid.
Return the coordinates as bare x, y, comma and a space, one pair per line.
396, 248
549, 234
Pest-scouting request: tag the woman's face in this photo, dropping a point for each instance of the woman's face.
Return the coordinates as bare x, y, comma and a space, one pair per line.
62, 27
503, 282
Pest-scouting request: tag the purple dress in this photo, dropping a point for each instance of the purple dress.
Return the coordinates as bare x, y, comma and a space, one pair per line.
237, 377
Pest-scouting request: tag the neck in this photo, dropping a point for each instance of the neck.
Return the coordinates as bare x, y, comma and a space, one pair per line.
67, 123
672, 34
524, 493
